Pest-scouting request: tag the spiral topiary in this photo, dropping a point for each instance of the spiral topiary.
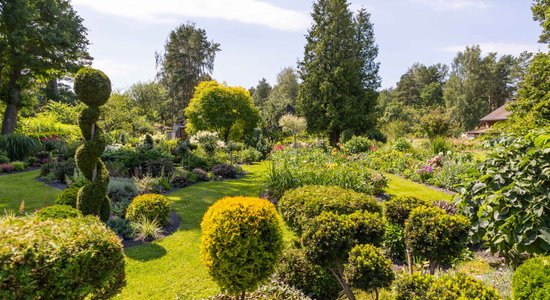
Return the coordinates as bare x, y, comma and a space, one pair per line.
93, 88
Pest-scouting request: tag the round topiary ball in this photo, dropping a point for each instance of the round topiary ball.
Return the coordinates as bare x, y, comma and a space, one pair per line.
398, 209
532, 279
58, 212
149, 206
412, 287
368, 269
68, 196
241, 242
460, 286
92, 87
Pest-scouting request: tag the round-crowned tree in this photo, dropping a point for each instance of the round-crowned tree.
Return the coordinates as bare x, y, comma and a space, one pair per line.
241, 242
532, 279
93, 88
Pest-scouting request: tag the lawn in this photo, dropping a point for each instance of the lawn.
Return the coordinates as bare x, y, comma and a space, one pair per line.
23, 186
400, 186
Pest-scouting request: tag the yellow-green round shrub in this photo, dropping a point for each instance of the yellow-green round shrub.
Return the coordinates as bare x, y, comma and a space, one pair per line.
76, 258
460, 286
532, 279
412, 287
92, 86
368, 269
298, 206
150, 206
58, 212
398, 209
241, 242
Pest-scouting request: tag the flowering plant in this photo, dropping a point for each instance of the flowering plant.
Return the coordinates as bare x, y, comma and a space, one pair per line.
425, 172
278, 148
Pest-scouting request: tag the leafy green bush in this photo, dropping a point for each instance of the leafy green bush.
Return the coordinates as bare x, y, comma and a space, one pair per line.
440, 144
68, 195
433, 234
368, 269
58, 170
358, 144
298, 206
402, 145
248, 155
58, 212
121, 227
225, 171
150, 206
460, 286
507, 200
18, 146
201, 174
531, 281
293, 168
274, 290
240, 255
394, 242
398, 209
18, 165
59, 259
412, 287
121, 189
4, 159
296, 270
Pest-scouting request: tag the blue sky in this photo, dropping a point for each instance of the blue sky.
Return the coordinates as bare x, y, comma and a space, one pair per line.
260, 37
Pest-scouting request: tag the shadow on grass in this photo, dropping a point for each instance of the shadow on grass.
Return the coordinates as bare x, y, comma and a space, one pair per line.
146, 252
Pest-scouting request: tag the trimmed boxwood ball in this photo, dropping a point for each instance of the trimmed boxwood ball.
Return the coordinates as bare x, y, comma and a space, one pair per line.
241, 242
68, 196
433, 234
532, 279
412, 287
58, 212
368, 269
92, 86
398, 209
76, 258
150, 206
460, 286
300, 205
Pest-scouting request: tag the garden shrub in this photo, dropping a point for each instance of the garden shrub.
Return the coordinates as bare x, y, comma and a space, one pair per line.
239, 255
507, 199
6, 168
273, 290
298, 206
402, 145
296, 270
202, 175
398, 209
74, 258
179, 181
58, 170
460, 286
18, 146
4, 159
146, 229
68, 195
368, 269
249, 155
121, 189
18, 165
531, 281
58, 212
440, 144
433, 234
121, 227
225, 171
412, 287
394, 242
358, 144
149, 206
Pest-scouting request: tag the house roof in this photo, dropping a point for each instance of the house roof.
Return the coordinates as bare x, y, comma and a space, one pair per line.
498, 114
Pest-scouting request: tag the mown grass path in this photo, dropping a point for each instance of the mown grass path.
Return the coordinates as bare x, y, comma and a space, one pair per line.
24, 186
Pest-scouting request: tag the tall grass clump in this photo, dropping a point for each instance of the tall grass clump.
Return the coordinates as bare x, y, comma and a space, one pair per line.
292, 168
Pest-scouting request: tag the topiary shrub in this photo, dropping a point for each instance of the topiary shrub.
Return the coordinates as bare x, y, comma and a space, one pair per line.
358, 144
368, 269
398, 209
68, 196
93, 88
296, 270
300, 205
74, 258
58, 212
225, 171
241, 242
149, 206
433, 234
531, 281
460, 286
412, 287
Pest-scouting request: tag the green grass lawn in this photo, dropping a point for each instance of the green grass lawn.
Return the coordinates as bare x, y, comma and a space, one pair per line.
400, 186
23, 186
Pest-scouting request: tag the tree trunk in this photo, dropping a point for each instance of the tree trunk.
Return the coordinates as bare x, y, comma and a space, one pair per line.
226, 135
334, 137
409, 259
339, 275
433, 266
10, 115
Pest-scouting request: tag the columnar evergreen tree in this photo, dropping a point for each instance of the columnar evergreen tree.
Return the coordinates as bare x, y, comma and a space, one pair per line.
339, 72
261, 92
93, 88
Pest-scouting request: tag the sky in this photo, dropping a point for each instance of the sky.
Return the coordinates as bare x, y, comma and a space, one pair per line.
259, 38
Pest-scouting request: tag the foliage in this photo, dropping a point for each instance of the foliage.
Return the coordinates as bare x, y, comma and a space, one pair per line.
541, 13
121, 227
295, 270
47, 124
402, 144
368, 269
358, 144
398, 209
293, 125
437, 123
293, 168
149, 206
532, 279
248, 155
394, 242
208, 141
412, 287
151, 100
58, 170
261, 92
201, 174
220, 108
93, 88
18, 165
6, 168
42, 258
58, 212
146, 229
439, 145
121, 189
273, 290
240, 255
18, 146
460, 286
433, 234
339, 73
121, 113
225, 171
506, 200
298, 206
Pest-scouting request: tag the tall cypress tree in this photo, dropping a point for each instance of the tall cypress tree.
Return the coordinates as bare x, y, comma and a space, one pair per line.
339, 72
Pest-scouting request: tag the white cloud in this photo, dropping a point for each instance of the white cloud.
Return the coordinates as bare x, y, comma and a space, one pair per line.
500, 48
245, 11
455, 4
